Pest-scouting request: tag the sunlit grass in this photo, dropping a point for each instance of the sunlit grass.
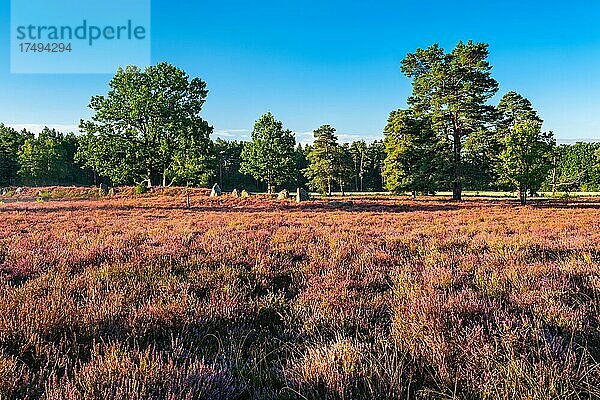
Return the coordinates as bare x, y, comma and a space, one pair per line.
140, 297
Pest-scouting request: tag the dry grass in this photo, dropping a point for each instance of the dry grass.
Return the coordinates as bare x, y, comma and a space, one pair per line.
249, 298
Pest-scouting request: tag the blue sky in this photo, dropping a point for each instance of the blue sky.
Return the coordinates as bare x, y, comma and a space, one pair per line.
337, 62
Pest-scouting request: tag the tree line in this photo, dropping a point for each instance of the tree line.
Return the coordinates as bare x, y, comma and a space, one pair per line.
148, 130
272, 160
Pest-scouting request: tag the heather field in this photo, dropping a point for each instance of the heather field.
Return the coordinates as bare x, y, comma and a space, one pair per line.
135, 297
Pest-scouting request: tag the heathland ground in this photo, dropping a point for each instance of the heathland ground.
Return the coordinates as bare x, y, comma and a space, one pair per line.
141, 297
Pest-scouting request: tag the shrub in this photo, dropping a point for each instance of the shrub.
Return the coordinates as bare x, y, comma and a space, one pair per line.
141, 188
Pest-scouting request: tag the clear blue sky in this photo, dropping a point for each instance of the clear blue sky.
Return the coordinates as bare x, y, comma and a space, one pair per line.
337, 62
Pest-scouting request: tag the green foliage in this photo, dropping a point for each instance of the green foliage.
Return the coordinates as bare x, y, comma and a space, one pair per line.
301, 155
193, 160
512, 109
141, 188
376, 155
576, 168
10, 143
45, 195
228, 160
149, 126
322, 158
359, 153
328, 161
483, 147
107, 155
453, 125
270, 156
481, 151
342, 166
36, 158
527, 157
414, 161
49, 159
452, 90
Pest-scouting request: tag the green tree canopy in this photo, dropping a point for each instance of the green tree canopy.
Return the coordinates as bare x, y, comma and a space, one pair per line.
301, 165
359, 153
452, 90
342, 166
414, 161
376, 154
10, 143
229, 158
512, 109
149, 126
576, 167
270, 156
322, 159
527, 157
48, 158
482, 148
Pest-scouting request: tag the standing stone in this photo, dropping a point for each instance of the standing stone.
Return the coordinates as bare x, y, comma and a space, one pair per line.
103, 190
235, 193
302, 195
283, 195
216, 191
245, 194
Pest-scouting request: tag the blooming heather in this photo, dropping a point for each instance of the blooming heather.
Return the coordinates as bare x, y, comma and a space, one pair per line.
140, 297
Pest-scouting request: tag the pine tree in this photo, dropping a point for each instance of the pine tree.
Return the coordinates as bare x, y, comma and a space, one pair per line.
452, 90
322, 159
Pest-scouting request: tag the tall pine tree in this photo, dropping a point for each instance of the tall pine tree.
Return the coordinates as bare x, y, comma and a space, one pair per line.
451, 90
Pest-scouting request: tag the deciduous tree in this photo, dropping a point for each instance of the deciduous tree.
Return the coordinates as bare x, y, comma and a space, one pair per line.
527, 157
270, 156
46, 159
10, 143
576, 167
149, 126
414, 161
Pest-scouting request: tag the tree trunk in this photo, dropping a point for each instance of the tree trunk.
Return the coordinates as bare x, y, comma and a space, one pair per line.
523, 195
362, 169
269, 187
553, 175
187, 197
328, 187
356, 175
457, 178
221, 174
149, 180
